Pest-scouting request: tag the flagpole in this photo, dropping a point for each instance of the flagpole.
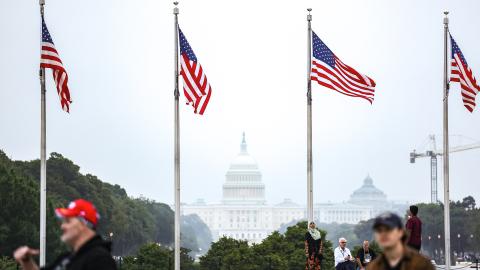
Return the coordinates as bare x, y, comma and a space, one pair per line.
43, 158
309, 124
446, 184
177, 147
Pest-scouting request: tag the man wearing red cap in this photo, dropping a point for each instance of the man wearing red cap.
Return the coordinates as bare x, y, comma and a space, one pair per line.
89, 250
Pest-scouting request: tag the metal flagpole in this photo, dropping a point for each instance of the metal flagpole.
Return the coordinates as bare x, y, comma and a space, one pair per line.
309, 124
43, 158
446, 146
177, 147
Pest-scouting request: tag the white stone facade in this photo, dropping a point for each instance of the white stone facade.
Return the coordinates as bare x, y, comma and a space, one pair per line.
244, 214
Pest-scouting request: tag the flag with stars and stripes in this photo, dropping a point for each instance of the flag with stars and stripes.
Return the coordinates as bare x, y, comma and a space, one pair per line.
329, 71
50, 59
462, 74
196, 88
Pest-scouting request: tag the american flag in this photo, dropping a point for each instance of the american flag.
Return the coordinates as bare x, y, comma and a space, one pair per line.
462, 74
196, 88
51, 59
329, 71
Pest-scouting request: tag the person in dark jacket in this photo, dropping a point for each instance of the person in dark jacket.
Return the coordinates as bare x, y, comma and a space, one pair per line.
88, 250
414, 229
365, 255
391, 237
313, 248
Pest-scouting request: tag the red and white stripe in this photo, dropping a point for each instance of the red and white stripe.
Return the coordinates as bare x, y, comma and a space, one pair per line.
462, 74
196, 88
343, 79
50, 59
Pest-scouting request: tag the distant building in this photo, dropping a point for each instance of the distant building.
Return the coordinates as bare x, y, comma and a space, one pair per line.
244, 213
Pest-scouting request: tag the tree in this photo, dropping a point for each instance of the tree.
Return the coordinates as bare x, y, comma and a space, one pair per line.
270, 254
296, 234
149, 257
468, 203
153, 256
133, 222
228, 253
277, 251
7, 263
363, 230
464, 220
202, 237
372, 246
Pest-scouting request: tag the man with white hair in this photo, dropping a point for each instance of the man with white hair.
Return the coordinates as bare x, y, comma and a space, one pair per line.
343, 257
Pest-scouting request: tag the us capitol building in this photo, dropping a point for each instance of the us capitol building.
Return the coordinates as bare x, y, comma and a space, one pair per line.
244, 213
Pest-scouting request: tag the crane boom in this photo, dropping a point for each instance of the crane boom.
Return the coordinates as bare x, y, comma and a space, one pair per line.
433, 154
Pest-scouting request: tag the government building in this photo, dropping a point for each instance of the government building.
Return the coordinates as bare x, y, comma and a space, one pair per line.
244, 213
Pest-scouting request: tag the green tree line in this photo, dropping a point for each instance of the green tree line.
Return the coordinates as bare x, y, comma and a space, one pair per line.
131, 222
282, 251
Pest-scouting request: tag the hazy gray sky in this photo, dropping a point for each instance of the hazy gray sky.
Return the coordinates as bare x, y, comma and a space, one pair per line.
119, 57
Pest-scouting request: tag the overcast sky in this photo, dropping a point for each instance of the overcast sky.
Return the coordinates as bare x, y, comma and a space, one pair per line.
119, 58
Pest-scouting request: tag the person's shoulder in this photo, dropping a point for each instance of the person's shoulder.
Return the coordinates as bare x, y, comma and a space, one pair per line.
420, 261
57, 261
98, 251
376, 263
421, 258
100, 258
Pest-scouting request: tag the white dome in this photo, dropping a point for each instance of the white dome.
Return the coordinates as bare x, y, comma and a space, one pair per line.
244, 161
368, 194
243, 179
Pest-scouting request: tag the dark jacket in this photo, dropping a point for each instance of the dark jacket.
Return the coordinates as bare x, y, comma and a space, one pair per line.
94, 254
313, 247
411, 260
361, 255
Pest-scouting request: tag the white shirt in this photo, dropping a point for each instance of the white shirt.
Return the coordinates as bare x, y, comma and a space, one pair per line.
340, 255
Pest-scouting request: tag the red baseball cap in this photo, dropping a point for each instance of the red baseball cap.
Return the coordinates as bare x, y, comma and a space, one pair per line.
80, 208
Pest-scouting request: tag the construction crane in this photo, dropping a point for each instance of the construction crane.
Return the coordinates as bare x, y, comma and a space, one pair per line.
433, 154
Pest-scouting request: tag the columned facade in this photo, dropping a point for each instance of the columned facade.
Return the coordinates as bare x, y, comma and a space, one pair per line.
244, 214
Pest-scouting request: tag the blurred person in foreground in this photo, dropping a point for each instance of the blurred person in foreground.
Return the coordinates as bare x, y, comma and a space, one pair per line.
313, 247
88, 250
391, 237
365, 255
414, 229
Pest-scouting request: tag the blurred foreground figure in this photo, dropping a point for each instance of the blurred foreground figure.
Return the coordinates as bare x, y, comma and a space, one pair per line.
89, 250
391, 237
313, 248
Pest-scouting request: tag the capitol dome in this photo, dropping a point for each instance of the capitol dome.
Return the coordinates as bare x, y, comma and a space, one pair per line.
243, 180
368, 194
244, 161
